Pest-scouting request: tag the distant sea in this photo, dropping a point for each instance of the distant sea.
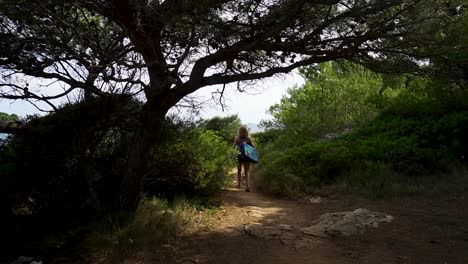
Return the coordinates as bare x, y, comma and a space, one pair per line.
254, 128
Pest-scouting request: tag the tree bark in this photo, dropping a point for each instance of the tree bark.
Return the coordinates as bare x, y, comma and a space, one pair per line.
147, 137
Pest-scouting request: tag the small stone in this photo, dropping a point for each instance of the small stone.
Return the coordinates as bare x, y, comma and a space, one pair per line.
285, 227
23, 259
315, 199
262, 232
315, 230
246, 229
288, 239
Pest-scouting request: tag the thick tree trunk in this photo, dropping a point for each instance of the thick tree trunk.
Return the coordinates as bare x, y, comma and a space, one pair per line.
147, 137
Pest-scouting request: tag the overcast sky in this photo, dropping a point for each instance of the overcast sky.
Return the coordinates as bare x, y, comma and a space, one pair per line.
251, 106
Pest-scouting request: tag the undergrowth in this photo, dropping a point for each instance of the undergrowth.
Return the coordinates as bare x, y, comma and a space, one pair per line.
156, 222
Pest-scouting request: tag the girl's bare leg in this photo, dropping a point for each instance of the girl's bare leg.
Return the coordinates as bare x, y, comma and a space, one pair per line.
239, 174
247, 175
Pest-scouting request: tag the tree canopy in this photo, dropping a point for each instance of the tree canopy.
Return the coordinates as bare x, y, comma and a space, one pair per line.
162, 51
8, 118
334, 98
169, 49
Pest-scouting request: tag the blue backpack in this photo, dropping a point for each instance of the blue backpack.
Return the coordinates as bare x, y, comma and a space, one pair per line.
248, 151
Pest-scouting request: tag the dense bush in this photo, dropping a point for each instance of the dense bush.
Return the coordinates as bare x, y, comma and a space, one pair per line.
333, 99
59, 165
225, 127
409, 147
420, 131
72, 161
308, 165
8, 118
192, 161
67, 168
63, 169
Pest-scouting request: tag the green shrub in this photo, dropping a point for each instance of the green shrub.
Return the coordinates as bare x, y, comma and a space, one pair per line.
193, 162
8, 118
67, 165
308, 165
224, 127
413, 128
65, 170
265, 137
393, 147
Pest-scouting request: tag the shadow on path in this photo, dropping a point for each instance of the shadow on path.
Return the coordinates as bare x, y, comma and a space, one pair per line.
425, 230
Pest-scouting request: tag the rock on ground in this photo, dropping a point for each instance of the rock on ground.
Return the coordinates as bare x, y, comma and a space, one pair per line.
330, 224
346, 223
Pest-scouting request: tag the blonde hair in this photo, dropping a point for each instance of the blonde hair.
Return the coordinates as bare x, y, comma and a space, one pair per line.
243, 132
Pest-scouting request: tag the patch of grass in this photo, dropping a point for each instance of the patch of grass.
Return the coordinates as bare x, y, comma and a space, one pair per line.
156, 222
378, 180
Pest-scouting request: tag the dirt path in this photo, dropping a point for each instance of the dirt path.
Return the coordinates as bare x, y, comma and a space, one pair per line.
424, 230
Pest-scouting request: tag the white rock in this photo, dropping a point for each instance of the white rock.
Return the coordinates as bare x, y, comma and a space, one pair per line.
316, 199
24, 259
345, 223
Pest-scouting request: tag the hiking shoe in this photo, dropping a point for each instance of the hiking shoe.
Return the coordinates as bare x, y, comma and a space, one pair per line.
247, 189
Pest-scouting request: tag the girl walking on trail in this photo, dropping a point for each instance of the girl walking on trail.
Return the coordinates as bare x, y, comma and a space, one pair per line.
242, 159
